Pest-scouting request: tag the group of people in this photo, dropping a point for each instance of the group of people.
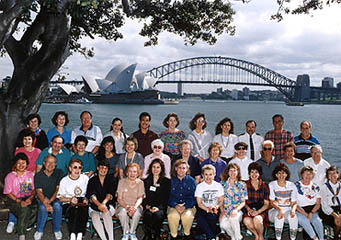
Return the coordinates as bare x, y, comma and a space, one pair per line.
225, 178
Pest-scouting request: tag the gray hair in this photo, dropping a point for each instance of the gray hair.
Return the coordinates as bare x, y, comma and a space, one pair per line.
158, 142
317, 146
268, 142
183, 142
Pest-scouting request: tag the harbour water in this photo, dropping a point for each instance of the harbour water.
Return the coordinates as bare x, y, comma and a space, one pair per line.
325, 118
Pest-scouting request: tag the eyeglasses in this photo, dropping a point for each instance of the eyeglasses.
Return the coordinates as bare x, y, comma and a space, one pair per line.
241, 148
200, 121
267, 149
157, 147
103, 167
79, 167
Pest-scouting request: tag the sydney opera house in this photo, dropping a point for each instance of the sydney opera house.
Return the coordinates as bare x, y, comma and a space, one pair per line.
121, 85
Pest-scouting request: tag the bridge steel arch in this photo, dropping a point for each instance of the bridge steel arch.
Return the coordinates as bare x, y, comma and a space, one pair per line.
271, 78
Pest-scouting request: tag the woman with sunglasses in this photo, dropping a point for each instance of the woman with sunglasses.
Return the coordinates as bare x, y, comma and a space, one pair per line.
200, 138
172, 136
101, 192
225, 137
242, 160
157, 146
71, 193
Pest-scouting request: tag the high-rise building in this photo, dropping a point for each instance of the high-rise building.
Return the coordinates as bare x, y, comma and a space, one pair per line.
328, 82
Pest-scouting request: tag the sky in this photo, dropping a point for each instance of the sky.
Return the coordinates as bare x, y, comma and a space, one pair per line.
300, 44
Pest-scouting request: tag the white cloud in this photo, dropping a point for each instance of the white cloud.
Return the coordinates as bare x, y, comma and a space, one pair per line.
299, 44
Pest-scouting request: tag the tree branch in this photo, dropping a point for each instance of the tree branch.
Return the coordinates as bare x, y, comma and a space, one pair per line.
126, 7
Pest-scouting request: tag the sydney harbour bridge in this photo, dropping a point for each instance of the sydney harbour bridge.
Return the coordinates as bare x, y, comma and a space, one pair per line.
225, 70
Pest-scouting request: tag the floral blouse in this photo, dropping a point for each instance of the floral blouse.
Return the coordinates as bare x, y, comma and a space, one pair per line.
234, 194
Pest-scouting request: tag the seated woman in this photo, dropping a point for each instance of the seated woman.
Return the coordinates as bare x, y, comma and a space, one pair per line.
157, 188
87, 158
130, 193
19, 188
209, 195
257, 204
157, 146
60, 120
107, 151
172, 136
283, 196
31, 152
101, 193
234, 200
331, 200
215, 150
181, 200
131, 156
308, 204
71, 193
116, 131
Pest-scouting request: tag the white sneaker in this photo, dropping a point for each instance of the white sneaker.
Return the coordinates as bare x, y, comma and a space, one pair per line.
38, 235
73, 236
79, 236
125, 237
22, 237
133, 237
58, 235
10, 227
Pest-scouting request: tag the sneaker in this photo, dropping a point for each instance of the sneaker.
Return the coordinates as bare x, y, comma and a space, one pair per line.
58, 235
79, 236
10, 227
22, 237
125, 237
133, 237
38, 235
28, 229
72, 236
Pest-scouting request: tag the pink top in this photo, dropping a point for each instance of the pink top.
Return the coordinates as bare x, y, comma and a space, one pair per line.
32, 157
19, 186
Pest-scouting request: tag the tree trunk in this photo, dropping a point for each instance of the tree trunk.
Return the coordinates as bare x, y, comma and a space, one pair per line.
33, 71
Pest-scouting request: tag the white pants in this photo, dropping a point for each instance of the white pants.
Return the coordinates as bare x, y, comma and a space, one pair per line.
231, 225
293, 222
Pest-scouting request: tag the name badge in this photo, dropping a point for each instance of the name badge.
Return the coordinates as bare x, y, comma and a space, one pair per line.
152, 188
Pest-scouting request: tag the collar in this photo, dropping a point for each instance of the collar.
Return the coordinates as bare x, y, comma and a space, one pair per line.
50, 151
81, 127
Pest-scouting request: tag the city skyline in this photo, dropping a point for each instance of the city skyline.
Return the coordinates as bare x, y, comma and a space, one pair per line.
300, 44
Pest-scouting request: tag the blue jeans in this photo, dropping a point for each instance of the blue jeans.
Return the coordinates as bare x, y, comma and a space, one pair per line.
56, 216
308, 227
207, 223
12, 218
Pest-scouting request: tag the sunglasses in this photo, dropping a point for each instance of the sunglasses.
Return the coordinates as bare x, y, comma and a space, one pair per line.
267, 149
157, 147
79, 167
241, 148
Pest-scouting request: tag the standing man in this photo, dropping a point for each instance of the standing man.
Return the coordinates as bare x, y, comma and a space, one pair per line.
91, 132
253, 140
304, 141
279, 136
47, 185
144, 135
57, 150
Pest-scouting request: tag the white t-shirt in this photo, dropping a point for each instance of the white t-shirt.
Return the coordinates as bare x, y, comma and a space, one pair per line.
69, 188
319, 170
307, 194
209, 193
283, 195
243, 164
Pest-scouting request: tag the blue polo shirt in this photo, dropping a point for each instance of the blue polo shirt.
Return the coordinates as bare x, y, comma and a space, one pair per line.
66, 135
219, 165
182, 191
63, 158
